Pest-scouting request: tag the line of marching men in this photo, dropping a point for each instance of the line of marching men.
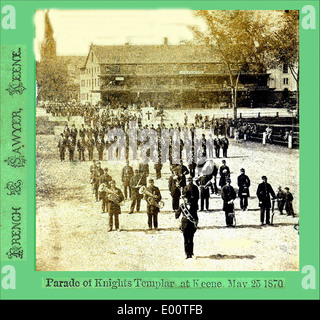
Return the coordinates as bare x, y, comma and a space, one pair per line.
134, 187
89, 139
187, 193
206, 182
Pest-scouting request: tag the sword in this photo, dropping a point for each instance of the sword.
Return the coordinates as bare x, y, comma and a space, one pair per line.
272, 210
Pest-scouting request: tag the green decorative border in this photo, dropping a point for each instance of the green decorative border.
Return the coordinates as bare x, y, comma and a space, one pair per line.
13, 152
30, 284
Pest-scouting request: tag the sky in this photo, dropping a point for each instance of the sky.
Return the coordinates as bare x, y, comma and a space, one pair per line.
75, 30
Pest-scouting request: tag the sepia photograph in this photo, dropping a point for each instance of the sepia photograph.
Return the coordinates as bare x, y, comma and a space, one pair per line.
167, 140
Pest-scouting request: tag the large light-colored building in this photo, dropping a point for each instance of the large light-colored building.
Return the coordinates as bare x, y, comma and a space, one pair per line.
168, 75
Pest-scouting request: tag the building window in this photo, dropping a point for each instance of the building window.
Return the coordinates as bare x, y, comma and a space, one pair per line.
285, 80
285, 68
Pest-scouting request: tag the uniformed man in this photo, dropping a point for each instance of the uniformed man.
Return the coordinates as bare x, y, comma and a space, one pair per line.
210, 145
224, 143
216, 143
135, 195
127, 173
90, 147
183, 171
115, 197
288, 197
158, 165
264, 192
203, 183
224, 173
244, 192
89, 131
185, 119
228, 196
104, 182
97, 173
189, 219
143, 172
71, 147
152, 206
82, 131
66, 131
280, 199
62, 146
81, 148
100, 145
175, 188
74, 132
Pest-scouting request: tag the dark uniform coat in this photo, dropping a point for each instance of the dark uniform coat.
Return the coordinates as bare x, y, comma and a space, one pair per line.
263, 193
228, 194
114, 208
127, 173
224, 174
191, 197
204, 191
135, 195
151, 209
243, 184
175, 191
224, 143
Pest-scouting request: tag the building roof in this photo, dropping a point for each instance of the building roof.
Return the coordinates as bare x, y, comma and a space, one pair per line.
154, 54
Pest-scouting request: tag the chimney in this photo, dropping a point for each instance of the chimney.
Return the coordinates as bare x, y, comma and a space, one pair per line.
165, 41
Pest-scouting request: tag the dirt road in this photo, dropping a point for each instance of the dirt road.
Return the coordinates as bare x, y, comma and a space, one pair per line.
72, 232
